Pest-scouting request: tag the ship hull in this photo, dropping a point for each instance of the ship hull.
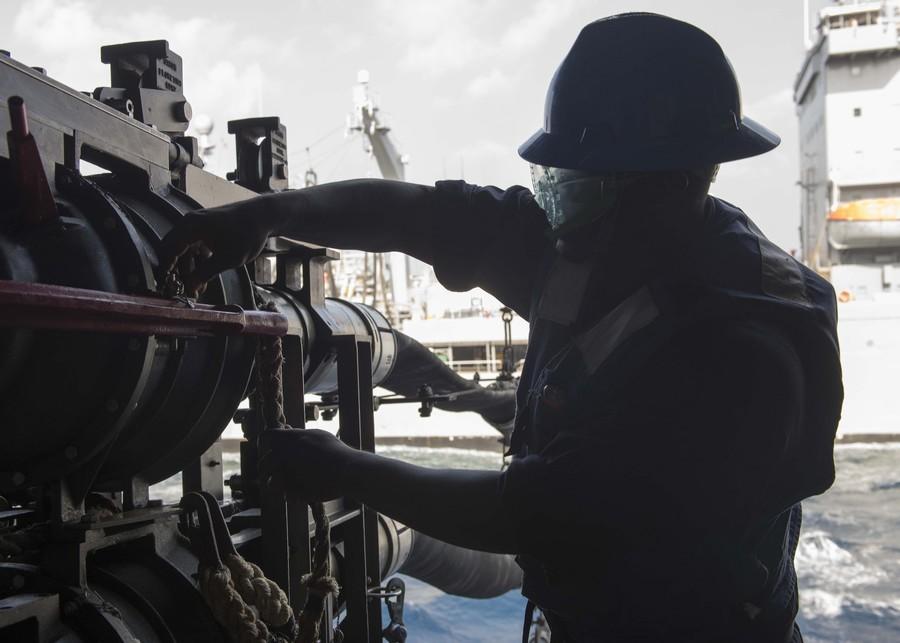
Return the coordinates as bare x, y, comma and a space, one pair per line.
869, 333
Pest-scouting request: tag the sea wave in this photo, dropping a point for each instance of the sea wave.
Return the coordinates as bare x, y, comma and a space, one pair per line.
867, 446
443, 451
817, 604
885, 486
821, 558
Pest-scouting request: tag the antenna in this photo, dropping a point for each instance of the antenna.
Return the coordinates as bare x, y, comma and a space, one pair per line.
310, 178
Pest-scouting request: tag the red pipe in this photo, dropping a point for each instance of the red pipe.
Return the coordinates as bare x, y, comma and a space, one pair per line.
35, 198
31, 305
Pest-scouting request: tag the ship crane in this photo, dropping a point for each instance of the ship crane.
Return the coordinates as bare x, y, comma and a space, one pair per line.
386, 283
365, 120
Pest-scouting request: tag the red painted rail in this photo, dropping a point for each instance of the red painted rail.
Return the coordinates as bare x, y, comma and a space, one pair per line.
31, 305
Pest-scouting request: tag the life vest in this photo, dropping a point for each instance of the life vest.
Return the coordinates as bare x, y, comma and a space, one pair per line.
731, 272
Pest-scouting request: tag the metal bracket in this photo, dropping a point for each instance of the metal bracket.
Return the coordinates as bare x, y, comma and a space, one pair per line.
146, 85
393, 594
261, 146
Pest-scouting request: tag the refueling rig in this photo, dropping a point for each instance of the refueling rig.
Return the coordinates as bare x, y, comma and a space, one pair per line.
111, 381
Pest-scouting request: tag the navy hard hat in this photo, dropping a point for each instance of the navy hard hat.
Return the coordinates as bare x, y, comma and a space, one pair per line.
644, 92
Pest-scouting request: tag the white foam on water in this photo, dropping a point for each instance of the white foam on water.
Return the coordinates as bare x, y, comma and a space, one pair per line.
421, 594
867, 446
818, 603
820, 558
822, 563
389, 449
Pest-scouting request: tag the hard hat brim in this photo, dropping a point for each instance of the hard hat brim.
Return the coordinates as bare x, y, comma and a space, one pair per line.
748, 139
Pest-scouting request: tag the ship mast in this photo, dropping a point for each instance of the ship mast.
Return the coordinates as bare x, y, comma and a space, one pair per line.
365, 120
389, 277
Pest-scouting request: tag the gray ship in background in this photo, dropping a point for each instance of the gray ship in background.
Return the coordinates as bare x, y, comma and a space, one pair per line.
848, 103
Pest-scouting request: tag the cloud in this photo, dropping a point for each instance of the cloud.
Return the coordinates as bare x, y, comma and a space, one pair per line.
448, 52
492, 81
775, 106
484, 149
58, 27
533, 28
479, 160
221, 76
427, 20
449, 35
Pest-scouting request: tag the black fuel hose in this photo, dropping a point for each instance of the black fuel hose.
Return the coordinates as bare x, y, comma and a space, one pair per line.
459, 571
495, 403
454, 570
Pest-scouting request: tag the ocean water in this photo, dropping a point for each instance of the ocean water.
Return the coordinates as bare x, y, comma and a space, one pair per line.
848, 559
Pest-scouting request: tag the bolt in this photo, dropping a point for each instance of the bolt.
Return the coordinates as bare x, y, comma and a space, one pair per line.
182, 111
71, 453
18, 478
112, 405
213, 463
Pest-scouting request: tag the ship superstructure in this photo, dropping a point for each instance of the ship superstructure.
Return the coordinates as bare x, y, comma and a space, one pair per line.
848, 103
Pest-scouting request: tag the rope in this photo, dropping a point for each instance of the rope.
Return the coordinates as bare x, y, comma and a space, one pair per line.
246, 603
264, 594
270, 360
319, 582
229, 609
241, 598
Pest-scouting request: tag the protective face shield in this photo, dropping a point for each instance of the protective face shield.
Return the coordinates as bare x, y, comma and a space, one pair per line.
574, 198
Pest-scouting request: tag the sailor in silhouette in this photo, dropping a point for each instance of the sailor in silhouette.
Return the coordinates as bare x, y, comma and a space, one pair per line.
681, 389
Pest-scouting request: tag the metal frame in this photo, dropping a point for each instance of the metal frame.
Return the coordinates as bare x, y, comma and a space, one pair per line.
70, 126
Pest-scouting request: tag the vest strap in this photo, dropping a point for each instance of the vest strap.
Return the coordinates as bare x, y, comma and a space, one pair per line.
598, 342
529, 621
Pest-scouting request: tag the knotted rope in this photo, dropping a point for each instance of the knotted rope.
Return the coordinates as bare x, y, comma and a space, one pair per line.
319, 582
252, 608
229, 608
257, 590
232, 588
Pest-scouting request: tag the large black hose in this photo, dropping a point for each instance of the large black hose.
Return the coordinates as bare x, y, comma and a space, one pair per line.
495, 403
459, 571
452, 569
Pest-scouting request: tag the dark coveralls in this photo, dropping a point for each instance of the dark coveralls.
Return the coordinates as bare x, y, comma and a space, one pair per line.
657, 465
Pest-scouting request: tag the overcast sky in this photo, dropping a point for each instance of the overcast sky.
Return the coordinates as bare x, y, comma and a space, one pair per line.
461, 82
